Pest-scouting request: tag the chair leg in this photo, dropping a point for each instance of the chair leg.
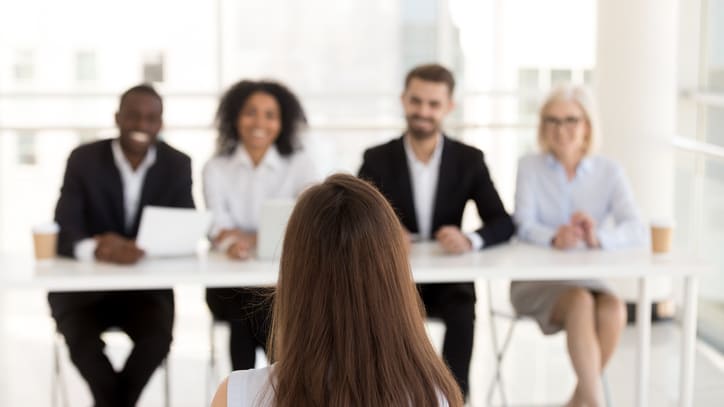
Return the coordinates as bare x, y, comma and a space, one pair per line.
493, 341
166, 383
606, 390
55, 376
211, 369
59, 392
499, 354
498, 351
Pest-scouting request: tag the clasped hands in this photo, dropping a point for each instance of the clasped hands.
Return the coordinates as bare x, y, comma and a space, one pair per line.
582, 228
114, 248
236, 244
451, 238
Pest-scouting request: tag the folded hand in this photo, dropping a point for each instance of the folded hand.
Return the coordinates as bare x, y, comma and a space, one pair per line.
114, 248
567, 237
588, 225
453, 240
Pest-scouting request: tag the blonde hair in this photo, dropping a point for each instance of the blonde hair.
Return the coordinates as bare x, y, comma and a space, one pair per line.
581, 96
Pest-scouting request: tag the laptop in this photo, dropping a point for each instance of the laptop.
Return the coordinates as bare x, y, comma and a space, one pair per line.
273, 220
171, 232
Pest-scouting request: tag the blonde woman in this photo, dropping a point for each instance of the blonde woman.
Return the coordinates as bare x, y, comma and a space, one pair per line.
569, 198
348, 324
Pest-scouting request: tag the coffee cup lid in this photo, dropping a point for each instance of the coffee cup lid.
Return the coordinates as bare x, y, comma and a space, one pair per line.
663, 222
48, 227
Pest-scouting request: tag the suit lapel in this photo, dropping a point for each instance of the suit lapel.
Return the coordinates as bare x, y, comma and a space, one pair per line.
406, 203
444, 188
114, 186
151, 185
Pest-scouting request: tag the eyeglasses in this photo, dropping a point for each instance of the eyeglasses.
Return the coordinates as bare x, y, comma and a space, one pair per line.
568, 122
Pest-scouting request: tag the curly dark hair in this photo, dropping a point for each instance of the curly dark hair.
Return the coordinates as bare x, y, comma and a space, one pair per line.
293, 118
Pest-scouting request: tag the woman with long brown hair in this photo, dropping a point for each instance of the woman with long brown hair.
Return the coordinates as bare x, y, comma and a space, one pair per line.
348, 324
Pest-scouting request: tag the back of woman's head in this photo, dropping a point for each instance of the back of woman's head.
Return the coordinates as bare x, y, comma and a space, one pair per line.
348, 324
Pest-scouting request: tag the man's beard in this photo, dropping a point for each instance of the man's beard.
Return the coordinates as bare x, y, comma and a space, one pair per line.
419, 134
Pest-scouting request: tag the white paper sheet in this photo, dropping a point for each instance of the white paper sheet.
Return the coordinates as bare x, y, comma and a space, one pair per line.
168, 232
272, 225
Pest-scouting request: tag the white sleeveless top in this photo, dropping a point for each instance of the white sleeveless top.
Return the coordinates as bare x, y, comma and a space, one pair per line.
250, 388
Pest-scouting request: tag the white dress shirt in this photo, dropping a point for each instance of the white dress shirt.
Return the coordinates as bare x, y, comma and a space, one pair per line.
545, 200
234, 189
424, 178
132, 181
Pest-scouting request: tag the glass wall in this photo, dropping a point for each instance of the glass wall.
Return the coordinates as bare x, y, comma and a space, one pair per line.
699, 179
700, 176
61, 72
713, 76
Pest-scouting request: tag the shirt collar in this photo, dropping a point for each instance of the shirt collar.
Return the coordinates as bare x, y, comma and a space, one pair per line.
123, 163
585, 166
272, 159
436, 154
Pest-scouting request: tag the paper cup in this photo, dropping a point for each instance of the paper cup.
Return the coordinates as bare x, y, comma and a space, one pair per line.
661, 235
45, 240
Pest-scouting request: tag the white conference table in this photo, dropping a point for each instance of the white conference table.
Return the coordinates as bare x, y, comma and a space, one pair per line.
515, 261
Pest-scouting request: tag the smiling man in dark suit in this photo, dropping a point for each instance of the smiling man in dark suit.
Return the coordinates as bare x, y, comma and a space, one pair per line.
428, 178
106, 185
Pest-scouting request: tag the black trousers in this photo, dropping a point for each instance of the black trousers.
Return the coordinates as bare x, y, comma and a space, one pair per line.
248, 312
454, 303
145, 316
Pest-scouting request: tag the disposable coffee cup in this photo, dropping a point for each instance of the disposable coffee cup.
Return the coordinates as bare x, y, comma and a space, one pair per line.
45, 240
661, 235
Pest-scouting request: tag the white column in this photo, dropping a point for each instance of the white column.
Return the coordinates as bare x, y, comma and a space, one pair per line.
636, 86
688, 342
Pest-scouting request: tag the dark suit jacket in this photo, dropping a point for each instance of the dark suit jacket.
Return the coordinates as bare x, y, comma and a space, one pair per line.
91, 201
463, 176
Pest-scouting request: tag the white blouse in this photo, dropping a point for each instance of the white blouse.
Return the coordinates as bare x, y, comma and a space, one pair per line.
249, 388
252, 388
235, 190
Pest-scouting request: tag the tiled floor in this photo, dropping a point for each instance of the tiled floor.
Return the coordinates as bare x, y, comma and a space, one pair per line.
536, 372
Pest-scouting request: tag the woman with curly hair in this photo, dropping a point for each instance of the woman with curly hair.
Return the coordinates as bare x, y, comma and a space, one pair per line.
258, 158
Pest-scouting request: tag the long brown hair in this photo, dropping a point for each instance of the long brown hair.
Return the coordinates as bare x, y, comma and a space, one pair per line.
348, 324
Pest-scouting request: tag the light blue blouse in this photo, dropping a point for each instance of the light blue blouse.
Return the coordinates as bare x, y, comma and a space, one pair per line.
545, 200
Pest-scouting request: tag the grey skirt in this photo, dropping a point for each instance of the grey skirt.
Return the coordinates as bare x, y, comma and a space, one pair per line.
536, 299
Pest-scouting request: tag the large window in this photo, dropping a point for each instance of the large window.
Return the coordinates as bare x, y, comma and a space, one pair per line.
24, 66
714, 70
715, 45
61, 72
700, 174
86, 69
